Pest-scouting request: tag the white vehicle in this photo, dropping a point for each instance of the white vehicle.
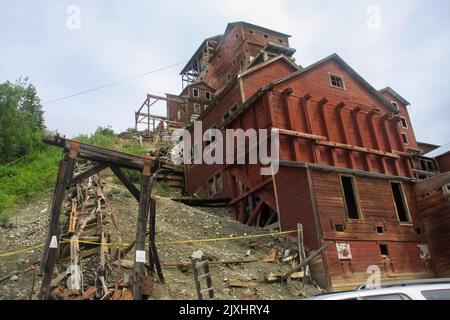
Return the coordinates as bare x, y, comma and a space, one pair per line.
430, 289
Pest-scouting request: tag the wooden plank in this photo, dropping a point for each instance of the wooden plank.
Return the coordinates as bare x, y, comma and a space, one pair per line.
359, 149
299, 134
251, 191
431, 184
255, 212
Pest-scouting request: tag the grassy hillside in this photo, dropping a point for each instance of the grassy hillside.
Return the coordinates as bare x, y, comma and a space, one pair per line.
37, 171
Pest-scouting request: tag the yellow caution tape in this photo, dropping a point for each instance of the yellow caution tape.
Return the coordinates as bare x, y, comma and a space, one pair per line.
159, 243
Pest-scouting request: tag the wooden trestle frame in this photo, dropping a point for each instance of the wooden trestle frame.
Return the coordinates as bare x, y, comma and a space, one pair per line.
155, 122
115, 160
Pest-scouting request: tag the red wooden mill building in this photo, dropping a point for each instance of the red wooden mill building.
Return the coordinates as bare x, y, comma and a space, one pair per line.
351, 170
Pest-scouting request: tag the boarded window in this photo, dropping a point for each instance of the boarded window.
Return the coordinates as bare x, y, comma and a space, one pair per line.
351, 204
400, 202
337, 81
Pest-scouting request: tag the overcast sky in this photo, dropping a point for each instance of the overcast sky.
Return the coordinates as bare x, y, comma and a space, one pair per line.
408, 48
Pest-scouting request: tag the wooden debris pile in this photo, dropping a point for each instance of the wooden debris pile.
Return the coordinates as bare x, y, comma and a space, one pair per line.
88, 253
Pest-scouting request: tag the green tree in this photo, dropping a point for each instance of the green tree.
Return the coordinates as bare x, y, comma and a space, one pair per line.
21, 120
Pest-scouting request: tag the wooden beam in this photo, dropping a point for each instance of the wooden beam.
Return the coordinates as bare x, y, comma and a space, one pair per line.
251, 191
255, 213
300, 134
359, 149
126, 182
428, 185
88, 173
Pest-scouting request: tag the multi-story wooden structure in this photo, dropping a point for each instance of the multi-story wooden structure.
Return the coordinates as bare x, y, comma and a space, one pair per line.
349, 159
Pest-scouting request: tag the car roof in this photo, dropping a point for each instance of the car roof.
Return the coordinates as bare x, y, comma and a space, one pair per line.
410, 289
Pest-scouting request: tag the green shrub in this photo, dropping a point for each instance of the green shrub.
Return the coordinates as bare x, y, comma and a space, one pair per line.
28, 178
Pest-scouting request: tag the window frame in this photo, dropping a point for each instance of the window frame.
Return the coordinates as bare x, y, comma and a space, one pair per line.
395, 104
199, 108
405, 123
405, 204
356, 194
344, 87
405, 138
206, 95
193, 93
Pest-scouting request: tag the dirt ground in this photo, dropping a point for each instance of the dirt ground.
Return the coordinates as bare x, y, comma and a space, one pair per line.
175, 221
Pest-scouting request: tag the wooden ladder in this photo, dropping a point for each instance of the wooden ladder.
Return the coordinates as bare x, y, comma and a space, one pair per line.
198, 265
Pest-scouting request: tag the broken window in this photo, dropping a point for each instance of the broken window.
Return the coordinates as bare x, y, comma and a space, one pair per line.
351, 202
266, 36
250, 31
337, 81
384, 251
339, 227
280, 41
380, 229
196, 93
404, 122
395, 105
400, 202
405, 138
207, 95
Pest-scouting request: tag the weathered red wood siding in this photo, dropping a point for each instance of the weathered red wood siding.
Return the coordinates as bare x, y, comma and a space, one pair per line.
291, 115
435, 210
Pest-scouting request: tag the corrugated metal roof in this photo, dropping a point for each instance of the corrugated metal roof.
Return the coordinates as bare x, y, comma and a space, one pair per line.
439, 151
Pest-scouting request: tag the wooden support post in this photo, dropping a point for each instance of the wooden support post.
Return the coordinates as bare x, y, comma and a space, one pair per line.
322, 106
51, 249
355, 112
301, 249
153, 252
141, 230
315, 149
339, 108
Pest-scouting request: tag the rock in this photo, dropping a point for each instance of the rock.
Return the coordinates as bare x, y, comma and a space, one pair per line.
14, 278
197, 255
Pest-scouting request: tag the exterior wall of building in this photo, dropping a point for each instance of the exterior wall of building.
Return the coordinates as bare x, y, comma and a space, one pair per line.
289, 113
377, 209
409, 131
435, 210
196, 176
444, 162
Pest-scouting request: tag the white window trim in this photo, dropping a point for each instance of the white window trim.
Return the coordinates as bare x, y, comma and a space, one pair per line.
199, 108
405, 137
193, 93
331, 83
406, 122
210, 95
395, 104
405, 203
